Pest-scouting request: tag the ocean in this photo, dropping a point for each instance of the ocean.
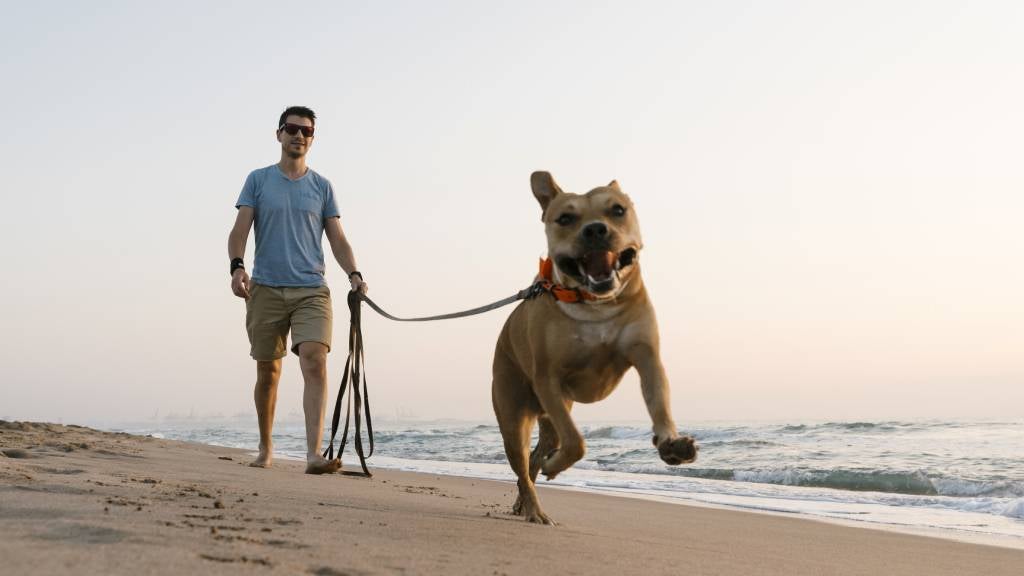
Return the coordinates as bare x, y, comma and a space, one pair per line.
959, 479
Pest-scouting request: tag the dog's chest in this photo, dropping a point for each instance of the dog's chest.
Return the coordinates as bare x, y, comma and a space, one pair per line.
596, 334
595, 351
595, 363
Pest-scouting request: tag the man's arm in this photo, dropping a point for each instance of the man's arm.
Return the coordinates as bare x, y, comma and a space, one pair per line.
343, 252
236, 249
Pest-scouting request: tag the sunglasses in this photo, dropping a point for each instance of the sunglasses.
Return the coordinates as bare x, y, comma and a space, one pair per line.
293, 129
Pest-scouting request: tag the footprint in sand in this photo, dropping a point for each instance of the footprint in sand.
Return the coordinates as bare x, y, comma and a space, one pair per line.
239, 559
62, 471
328, 571
84, 534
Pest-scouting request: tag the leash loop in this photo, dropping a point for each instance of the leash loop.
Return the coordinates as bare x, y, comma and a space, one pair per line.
354, 370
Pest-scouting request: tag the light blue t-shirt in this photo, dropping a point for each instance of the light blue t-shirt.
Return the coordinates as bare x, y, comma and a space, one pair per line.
289, 222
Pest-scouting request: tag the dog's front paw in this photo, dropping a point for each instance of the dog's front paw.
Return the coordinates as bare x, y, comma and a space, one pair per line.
551, 466
561, 459
678, 450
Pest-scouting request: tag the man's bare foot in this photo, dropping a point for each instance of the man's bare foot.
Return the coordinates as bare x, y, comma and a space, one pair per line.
263, 460
321, 465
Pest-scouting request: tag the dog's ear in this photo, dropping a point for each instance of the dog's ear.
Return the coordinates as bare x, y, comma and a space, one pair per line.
544, 189
614, 185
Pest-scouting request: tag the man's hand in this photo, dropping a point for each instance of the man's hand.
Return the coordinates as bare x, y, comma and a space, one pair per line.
240, 283
356, 280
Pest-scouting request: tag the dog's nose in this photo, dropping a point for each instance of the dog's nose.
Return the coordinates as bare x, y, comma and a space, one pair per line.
595, 231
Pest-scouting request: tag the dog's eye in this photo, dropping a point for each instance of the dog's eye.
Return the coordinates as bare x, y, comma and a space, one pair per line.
618, 210
565, 219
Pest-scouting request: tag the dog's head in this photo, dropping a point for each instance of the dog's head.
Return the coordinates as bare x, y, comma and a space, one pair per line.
593, 238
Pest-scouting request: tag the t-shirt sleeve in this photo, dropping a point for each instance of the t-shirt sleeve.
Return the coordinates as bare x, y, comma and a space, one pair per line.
330, 203
248, 195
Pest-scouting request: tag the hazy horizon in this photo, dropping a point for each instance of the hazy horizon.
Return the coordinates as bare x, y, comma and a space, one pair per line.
830, 196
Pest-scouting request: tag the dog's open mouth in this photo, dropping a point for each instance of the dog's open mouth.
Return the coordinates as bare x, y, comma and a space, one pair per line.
597, 270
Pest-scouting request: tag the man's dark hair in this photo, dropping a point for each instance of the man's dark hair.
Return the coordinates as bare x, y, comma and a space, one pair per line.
300, 111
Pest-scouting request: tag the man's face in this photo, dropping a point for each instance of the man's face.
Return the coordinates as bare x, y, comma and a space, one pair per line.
295, 145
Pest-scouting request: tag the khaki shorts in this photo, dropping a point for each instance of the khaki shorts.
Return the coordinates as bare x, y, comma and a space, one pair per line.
271, 312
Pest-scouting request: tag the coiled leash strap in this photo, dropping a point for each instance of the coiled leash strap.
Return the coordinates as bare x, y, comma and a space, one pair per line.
352, 373
354, 368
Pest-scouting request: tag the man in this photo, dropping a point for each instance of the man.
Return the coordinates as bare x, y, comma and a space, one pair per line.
292, 207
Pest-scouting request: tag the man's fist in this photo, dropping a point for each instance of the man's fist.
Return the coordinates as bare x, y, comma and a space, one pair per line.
240, 283
356, 280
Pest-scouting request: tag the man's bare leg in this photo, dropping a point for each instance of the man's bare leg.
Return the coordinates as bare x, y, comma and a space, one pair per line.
313, 361
268, 373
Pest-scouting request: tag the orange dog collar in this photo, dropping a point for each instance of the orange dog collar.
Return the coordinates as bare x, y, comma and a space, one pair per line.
561, 293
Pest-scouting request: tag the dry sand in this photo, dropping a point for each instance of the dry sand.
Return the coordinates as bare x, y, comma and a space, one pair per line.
75, 500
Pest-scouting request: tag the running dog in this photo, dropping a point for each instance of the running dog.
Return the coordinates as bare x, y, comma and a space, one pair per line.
574, 342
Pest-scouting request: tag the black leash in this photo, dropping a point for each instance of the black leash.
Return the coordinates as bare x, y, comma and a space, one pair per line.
354, 368
353, 371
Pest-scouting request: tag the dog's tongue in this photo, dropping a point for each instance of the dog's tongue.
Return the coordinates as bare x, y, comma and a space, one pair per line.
599, 265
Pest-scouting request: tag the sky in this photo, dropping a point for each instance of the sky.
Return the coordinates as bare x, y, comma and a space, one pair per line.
830, 193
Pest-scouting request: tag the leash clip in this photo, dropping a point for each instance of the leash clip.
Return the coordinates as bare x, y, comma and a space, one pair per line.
536, 289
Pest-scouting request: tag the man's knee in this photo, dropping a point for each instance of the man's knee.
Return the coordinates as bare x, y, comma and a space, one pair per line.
268, 372
313, 354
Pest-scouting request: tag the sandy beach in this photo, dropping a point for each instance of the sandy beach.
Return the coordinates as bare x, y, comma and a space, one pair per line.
74, 499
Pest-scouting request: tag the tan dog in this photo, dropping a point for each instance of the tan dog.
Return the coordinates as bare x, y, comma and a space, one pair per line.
553, 353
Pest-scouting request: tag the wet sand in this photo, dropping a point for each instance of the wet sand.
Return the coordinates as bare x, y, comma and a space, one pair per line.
78, 500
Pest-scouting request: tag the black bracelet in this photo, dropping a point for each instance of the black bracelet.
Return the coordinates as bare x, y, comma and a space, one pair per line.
353, 273
237, 263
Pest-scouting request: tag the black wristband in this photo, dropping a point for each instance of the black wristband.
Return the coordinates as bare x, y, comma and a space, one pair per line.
355, 273
237, 263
